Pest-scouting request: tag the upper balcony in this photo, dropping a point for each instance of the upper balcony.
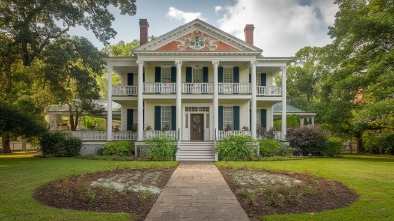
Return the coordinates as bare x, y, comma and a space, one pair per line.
196, 88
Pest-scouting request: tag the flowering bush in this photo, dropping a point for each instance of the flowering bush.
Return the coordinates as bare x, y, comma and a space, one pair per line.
148, 127
228, 127
134, 127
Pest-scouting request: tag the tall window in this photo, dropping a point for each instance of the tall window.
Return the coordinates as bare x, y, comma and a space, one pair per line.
258, 120
227, 118
166, 75
227, 75
165, 118
258, 79
197, 75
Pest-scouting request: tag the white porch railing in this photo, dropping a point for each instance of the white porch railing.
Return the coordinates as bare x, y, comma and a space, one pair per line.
124, 90
161, 88
89, 135
269, 90
157, 133
197, 88
102, 135
234, 88
223, 134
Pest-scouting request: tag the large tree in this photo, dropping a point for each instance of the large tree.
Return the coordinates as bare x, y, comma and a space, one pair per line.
357, 86
33, 24
71, 66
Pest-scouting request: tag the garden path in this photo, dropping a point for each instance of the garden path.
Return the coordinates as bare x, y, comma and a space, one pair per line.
196, 191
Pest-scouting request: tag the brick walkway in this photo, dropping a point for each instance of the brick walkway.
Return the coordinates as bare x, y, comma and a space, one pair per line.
196, 191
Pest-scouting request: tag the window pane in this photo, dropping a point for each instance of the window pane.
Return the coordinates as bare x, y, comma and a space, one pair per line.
227, 75
227, 118
166, 75
197, 75
165, 118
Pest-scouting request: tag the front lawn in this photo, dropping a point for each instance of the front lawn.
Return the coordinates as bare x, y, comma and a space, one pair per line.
372, 177
21, 174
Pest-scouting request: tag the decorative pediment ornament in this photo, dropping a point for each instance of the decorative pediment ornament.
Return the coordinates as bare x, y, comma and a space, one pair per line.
197, 42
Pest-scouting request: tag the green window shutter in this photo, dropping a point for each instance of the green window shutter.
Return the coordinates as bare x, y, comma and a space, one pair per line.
220, 74
236, 117
235, 74
220, 117
173, 74
130, 80
189, 74
250, 78
173, 117
157, 74
263, 79
263, 117
205, 74
157, 118
129, 118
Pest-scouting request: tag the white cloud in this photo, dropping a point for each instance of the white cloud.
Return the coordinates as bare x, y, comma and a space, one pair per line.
218, 8
281, 27
184, 16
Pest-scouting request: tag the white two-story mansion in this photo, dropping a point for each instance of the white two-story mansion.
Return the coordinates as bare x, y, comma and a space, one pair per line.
195, 83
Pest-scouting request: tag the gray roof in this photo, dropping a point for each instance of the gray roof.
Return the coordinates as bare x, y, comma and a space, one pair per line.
277, 108
104, 103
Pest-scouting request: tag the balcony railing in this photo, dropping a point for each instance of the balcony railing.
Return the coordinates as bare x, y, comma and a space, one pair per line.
124, 90
269, 90
234, 88
160, 88
197, 88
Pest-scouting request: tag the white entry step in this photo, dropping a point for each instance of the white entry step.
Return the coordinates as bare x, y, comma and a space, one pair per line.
196, 151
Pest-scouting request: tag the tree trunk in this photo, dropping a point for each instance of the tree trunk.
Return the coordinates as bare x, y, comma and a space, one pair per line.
5, 140
72, 124
359, 139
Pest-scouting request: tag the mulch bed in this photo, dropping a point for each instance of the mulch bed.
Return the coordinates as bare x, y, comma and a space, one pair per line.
78, 193
292, 193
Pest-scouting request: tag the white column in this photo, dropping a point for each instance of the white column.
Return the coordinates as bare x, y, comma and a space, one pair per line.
313, 120
109, 106
140, 101
284, 104
178, 99
55, 122
302, 122
254, 102
215, 99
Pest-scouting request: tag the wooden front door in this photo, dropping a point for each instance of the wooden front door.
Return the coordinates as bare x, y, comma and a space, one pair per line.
197, 126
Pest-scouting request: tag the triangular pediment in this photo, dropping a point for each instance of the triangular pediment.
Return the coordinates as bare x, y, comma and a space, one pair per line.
197, 36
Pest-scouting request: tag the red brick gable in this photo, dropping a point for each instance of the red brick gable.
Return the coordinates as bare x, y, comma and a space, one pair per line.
197, 41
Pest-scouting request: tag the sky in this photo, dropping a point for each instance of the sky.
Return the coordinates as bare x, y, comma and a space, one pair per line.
282, 27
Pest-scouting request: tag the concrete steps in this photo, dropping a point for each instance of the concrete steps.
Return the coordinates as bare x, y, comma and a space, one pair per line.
196, 151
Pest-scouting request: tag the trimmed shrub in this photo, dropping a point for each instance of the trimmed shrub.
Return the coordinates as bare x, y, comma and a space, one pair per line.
58, 145
269, 148
285, 150
120, 148
161, 148
333, 147
236, 147
72, 146
307, 140
51, 143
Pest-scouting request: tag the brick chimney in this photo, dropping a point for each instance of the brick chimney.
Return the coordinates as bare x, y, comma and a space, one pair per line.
144, 25
248, 30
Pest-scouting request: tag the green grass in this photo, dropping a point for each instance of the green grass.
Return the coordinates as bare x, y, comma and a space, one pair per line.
372, 177
21, 174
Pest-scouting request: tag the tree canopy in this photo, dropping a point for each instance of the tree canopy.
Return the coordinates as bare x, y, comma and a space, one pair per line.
33, 24
352, 80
